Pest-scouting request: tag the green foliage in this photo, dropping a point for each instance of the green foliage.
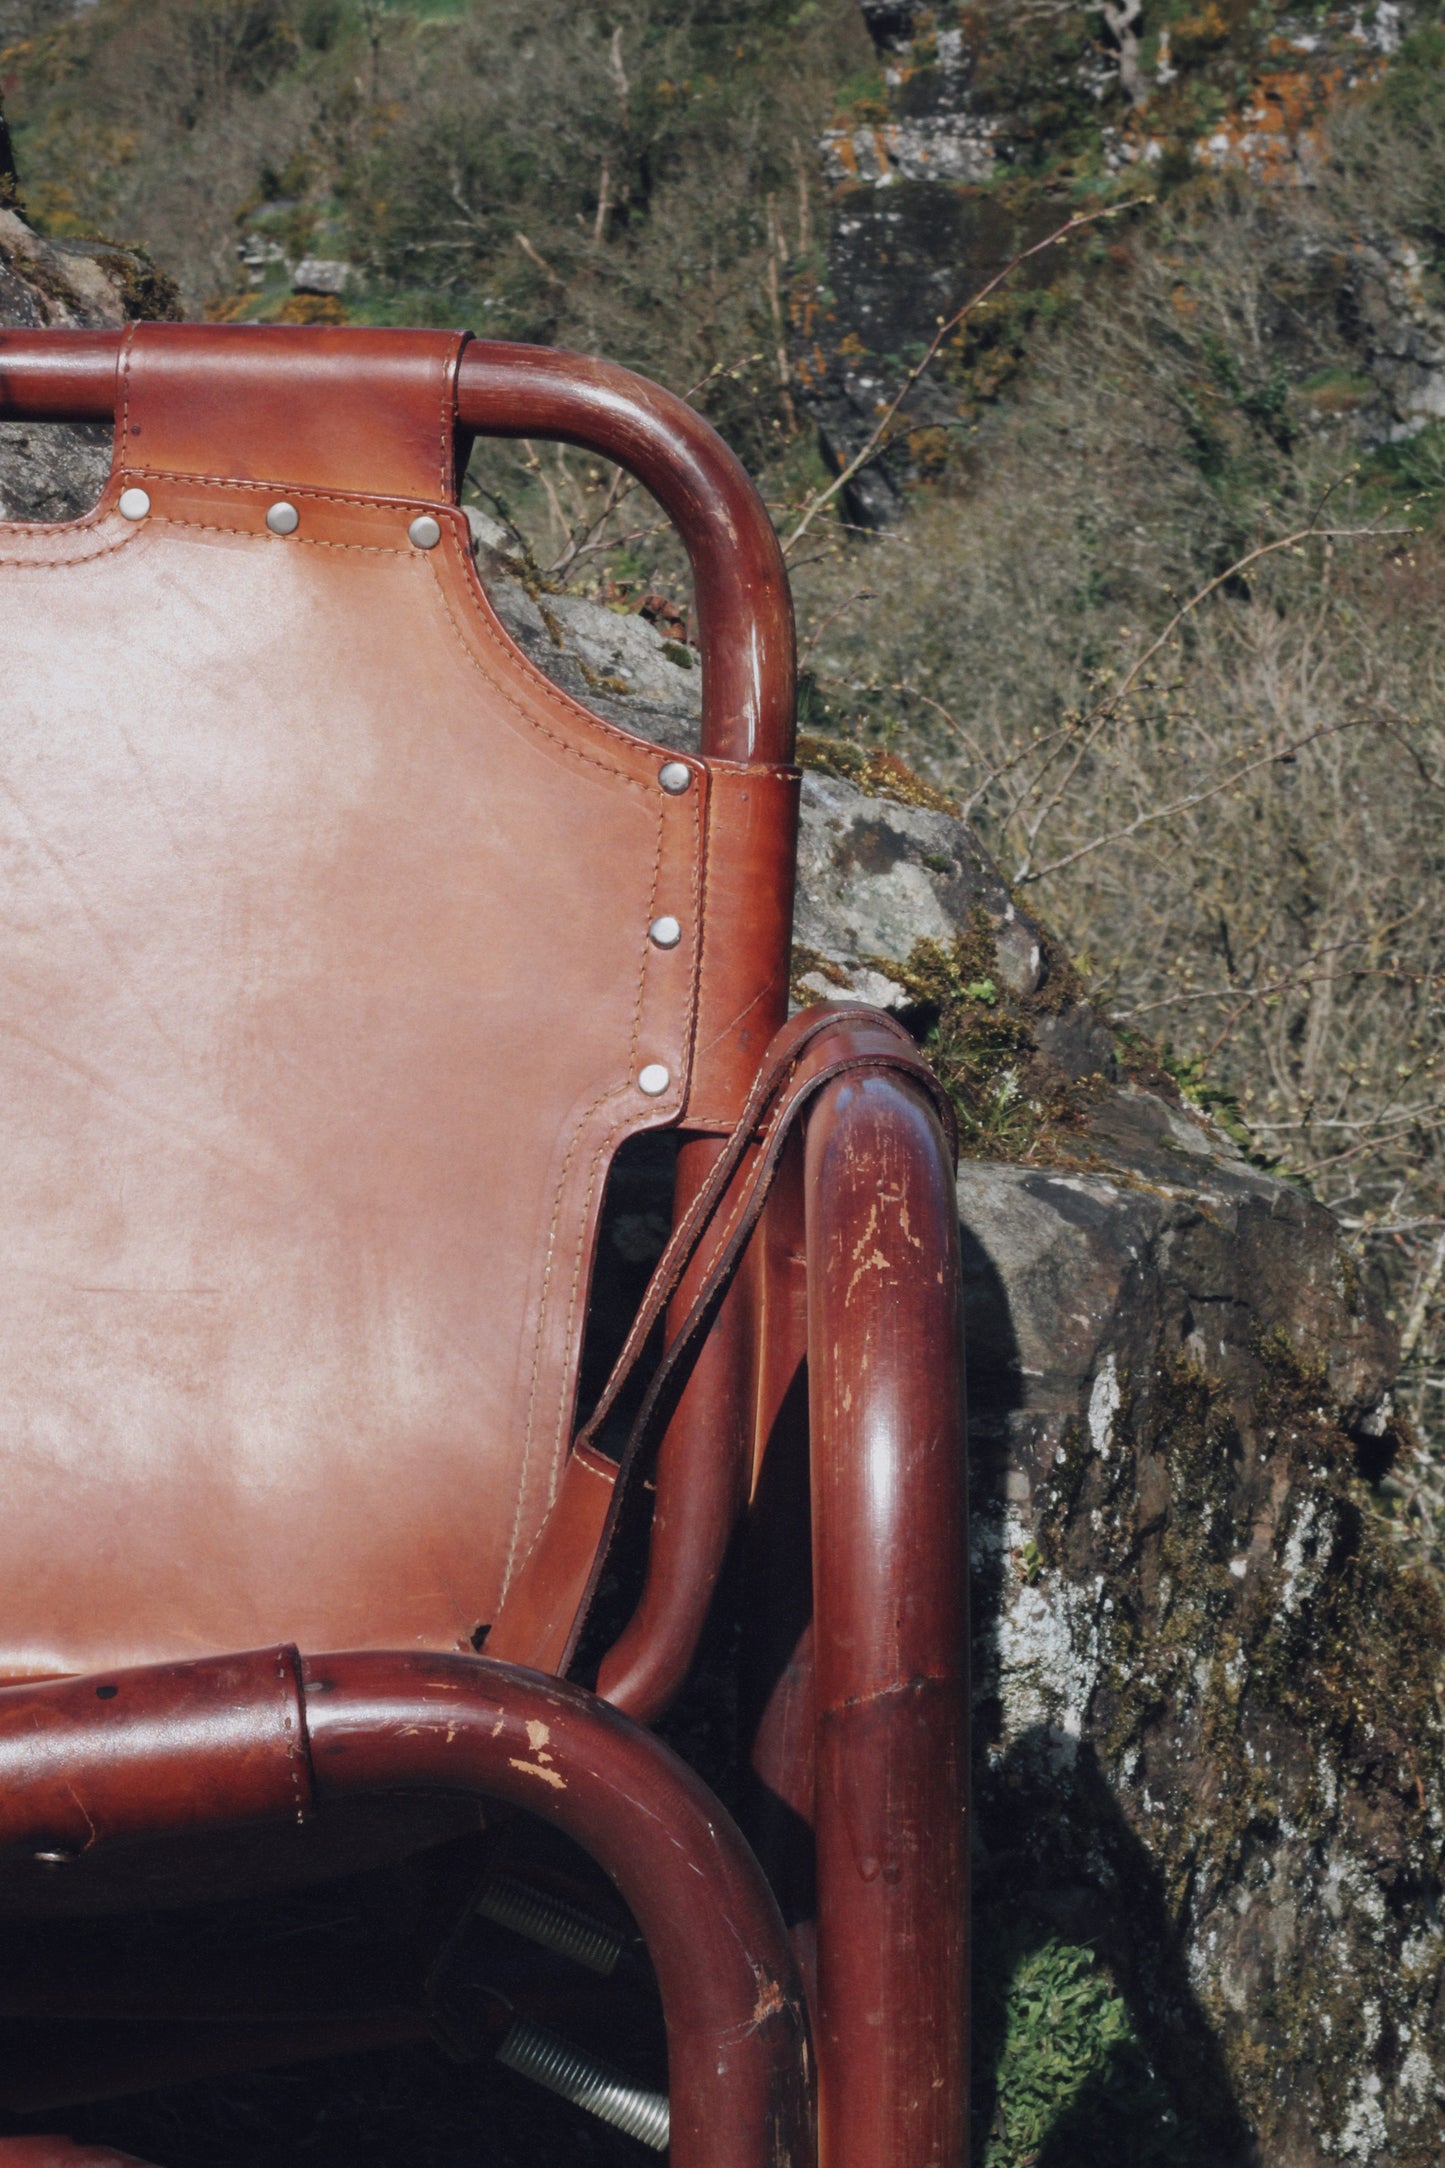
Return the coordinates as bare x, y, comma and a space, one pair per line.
1214, 1099
979, 1038
1072, 2082
877, 773
615, 181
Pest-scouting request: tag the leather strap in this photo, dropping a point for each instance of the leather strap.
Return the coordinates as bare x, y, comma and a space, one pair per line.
291, 405
546, 1606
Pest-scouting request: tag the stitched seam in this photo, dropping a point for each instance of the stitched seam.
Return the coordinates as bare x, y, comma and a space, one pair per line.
594, 760
389, 549
127, 349
598, 1158
447, 455
480, 620
607, 1477
700, 835
89, 523
480, 617
65, 564
503, 646
303, 490
245, 534
705, 979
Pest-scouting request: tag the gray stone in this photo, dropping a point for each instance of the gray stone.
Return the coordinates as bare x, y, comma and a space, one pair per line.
616, 664
1180, 1607
51, 471
319, 275
1402, 333
875, 877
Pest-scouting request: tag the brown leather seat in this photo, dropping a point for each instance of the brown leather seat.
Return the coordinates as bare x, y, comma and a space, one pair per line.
328, 999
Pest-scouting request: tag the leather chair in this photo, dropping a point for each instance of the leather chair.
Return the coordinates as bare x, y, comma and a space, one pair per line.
341, 955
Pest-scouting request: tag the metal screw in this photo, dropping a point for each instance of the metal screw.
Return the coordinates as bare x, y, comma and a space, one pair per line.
551, 1922
665, 932
283, 518
134, 503
588, 2083
424, 533
654, 1079
674, 776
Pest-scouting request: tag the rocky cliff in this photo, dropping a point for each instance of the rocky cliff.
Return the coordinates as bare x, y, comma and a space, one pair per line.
1208, 1726
983, 128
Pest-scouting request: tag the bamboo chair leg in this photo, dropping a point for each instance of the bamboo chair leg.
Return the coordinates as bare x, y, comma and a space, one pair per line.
890, 1593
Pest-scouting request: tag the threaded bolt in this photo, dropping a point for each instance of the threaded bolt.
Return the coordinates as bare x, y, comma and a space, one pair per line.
552, 1922
535, 2053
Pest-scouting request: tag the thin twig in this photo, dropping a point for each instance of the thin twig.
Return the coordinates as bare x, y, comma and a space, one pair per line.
1194, 798
946, 324
860, 594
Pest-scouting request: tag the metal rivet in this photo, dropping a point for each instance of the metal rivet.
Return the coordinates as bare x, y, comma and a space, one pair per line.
665, 932
424, 533
654, 1079
674, 775
283, 518
134, 503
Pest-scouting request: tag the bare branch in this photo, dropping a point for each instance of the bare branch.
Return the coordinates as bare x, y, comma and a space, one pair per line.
875, 442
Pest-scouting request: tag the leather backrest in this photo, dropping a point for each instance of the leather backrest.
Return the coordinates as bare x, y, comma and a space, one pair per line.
326, 997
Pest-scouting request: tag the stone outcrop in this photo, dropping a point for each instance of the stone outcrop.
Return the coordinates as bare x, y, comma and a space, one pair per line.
940, 179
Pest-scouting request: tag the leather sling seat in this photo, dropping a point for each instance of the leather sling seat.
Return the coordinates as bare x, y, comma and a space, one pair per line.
328, 998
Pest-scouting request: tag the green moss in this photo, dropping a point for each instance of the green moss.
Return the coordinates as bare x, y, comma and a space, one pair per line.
876, 773
1070, 2070
811, 963
147, 294
978, 1035
1216, 1100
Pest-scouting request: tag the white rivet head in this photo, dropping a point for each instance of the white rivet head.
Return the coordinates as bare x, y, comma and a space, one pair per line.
283, 518
654, 1079
134, 503
424, 533
665, 932
674, 776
